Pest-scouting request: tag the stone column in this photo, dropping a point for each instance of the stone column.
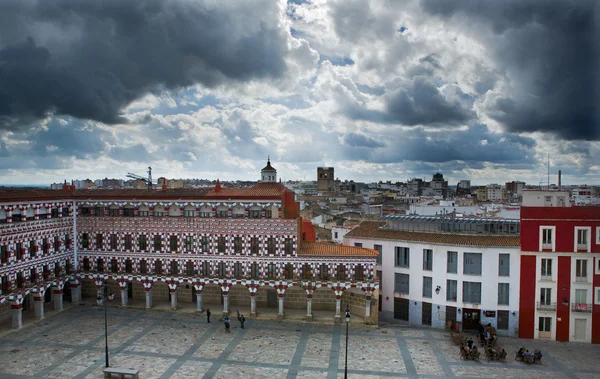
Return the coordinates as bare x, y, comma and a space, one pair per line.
309, 315
148, 298
75, 298
225, 303
17, 314
124, 298
199, 301
38, 306
280, 315
368, 307
252, 305
173, 298
57, 296
338, 306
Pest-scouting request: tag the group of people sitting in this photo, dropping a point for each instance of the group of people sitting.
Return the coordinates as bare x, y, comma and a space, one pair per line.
528, 357
487, 335
470, 353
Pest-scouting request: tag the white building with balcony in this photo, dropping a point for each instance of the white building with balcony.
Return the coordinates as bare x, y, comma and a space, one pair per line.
436, 271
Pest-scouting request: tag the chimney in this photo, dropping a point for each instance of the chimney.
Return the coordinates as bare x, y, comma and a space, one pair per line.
559, 180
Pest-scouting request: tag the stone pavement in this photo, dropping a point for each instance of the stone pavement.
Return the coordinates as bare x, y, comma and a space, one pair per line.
182, 345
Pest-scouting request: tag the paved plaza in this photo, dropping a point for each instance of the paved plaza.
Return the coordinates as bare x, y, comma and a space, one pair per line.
182, 345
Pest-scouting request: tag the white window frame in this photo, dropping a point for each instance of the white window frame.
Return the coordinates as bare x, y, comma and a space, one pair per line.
597, 235
547, 277
553, 242
597, 266
582, 263
597, 295
587, 246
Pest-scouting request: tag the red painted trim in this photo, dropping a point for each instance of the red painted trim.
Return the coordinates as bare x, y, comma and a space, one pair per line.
563, 311
595, 308
527, 297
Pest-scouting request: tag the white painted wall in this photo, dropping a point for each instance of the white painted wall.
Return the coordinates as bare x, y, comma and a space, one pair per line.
489, 278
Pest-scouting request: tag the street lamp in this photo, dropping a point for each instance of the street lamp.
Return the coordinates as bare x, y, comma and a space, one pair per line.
347, 323
106, 323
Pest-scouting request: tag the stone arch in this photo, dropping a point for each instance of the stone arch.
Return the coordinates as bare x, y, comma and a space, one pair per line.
212, 298
324, 300
144, 208
43, 211
174, 211
206, 211
295, 298
128, 210
239, 296
189, 211
30, 212
222, 211
239, 211
3, 216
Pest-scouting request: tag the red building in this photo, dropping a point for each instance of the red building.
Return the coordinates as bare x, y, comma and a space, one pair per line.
560, 268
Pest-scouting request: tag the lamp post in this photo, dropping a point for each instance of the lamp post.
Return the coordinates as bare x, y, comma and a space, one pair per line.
106, 323
347, 323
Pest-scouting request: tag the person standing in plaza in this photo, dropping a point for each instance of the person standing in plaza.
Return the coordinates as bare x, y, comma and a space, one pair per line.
242, 320
227, 322
208, 316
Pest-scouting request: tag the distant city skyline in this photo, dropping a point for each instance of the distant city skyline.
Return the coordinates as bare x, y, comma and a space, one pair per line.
487, 91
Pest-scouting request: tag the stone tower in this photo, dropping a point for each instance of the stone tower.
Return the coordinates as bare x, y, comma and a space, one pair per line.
268, 174
325, 179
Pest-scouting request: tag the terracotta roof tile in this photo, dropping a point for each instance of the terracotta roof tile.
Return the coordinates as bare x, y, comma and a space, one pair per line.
334, 250
100, 194
269, 190
371, 230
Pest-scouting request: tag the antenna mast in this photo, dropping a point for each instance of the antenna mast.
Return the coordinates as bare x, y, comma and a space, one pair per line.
548, 171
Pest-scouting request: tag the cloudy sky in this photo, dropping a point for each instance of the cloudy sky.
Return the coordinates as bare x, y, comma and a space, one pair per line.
381, 90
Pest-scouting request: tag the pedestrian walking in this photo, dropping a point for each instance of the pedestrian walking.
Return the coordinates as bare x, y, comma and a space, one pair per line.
227, 323
208, 316
242, 320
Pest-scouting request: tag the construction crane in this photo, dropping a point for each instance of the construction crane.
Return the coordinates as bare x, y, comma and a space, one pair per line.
148, 180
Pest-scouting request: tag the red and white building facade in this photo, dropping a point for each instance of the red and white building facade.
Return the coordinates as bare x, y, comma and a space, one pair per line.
560, 268
222, 247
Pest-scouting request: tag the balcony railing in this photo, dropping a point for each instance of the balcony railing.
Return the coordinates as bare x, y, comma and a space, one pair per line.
546, 278
546, 306
581, 279
581, 307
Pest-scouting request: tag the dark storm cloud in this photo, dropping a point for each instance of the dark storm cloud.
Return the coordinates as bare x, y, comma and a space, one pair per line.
549, 52
89, 59
420, 102
359, 140
474, 146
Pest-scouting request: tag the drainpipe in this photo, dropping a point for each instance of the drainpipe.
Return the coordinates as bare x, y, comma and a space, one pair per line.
75, 239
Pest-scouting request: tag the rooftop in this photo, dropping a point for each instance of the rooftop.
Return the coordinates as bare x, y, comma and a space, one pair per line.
441, 224
329, 249
263, 189
375, 230
42, 194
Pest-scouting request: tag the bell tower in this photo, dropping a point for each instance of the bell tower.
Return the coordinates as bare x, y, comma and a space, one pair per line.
268, 174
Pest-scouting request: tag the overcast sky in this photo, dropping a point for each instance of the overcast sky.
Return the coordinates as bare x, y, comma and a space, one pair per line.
381, 90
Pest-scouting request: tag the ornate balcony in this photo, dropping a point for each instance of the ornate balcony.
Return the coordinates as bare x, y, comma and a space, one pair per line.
581, 307
546, 306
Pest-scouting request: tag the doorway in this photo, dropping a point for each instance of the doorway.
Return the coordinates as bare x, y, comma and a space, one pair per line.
471, 319
544, 327
426, 314
401, 309
129, 290
450, 315
580, 327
